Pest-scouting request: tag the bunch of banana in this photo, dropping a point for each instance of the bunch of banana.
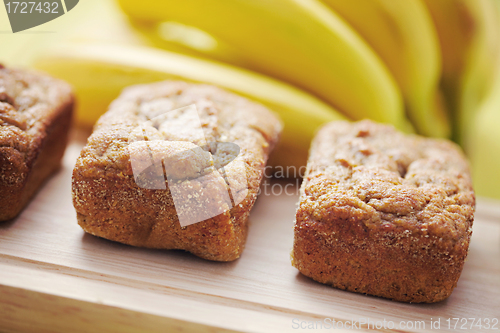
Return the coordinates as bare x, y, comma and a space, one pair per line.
427, 65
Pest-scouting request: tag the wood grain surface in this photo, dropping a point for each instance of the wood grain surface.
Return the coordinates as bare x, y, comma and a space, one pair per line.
56, 278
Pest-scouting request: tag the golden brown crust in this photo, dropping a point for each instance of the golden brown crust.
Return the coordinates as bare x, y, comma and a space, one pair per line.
35, 116
110, 204
384, 214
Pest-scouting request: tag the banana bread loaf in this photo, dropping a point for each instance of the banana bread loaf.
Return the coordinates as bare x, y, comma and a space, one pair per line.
35, 115
383, 213
173, 165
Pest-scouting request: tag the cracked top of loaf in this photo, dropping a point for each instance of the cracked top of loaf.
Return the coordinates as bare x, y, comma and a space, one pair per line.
383, 180
158, 110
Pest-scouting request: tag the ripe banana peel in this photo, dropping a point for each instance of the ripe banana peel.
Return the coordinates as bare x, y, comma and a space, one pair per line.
469, 36
403, 35
98, 72
298, 41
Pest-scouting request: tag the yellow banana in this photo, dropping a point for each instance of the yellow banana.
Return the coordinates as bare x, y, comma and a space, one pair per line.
98, 72
299, 41
469, 36
177, 37
403, 35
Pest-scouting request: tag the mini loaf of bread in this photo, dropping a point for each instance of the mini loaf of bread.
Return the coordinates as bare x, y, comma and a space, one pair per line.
173, 165
35, 115
384, 213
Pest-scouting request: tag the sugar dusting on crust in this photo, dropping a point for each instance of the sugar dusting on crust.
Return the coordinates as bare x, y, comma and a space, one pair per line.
387, 179
384, 213
111, 205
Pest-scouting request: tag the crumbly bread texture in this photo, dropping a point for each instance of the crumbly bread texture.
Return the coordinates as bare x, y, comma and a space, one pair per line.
384, 213
35, 115
110, 203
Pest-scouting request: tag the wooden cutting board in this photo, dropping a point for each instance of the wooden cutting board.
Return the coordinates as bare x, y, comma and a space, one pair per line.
56, 278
